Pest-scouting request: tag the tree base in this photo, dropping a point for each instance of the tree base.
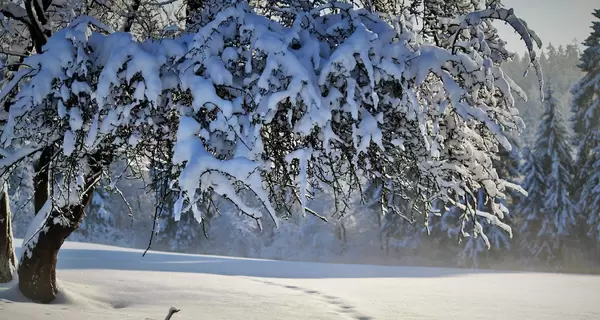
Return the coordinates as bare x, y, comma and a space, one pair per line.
7, 251
37, 270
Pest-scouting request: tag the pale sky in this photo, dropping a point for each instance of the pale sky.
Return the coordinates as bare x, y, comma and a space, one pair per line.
555, 21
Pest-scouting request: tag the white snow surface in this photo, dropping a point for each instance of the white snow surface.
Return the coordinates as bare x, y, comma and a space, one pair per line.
103, 282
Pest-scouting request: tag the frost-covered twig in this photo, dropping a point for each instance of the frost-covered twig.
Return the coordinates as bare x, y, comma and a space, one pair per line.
528, 36
122, 196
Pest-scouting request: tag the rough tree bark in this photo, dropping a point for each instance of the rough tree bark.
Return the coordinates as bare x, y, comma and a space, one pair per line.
37, 269
7, 251
41, 181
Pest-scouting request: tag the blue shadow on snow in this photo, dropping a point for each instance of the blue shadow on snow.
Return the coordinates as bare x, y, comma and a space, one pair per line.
129, 259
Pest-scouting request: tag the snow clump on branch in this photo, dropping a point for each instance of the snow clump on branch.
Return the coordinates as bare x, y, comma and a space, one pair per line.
250, 104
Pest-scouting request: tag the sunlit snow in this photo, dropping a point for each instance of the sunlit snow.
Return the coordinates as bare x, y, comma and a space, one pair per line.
102, 282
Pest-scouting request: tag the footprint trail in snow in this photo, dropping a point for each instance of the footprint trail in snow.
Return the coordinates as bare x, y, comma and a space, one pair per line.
340, 306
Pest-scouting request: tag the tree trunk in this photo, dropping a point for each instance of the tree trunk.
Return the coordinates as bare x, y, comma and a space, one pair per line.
7, 251
37, 269
41, 182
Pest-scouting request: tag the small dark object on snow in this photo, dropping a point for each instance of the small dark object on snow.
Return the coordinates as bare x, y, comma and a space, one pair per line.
172, 311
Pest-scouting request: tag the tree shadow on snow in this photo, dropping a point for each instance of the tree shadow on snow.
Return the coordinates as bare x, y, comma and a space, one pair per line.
84, 258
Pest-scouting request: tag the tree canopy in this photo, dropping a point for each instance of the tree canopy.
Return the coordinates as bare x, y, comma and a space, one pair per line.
333, 97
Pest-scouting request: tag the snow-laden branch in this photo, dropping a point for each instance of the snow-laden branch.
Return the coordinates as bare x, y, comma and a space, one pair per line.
528, 36
246, 103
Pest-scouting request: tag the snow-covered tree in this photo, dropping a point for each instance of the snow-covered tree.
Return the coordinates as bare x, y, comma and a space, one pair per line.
99, 225
272, 108
558, 64
531, 207
550, 220
586, 126
472, 250
24, 29
233, 233
182, 235
475, 253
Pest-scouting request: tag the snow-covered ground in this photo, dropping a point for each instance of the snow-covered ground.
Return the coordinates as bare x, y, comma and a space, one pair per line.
103, 282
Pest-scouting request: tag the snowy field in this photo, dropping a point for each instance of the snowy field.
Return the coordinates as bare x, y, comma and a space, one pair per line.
103, 282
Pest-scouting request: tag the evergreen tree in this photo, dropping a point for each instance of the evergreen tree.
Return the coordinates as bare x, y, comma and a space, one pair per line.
560, 65
568, 73
586, 126
99, 226
182, 235
507, 161
531, 111
476, 252
549, 211
551, 60
528, 105
507, 167
531, 208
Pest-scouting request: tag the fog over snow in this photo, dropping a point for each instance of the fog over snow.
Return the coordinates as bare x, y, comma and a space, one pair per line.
103, 282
